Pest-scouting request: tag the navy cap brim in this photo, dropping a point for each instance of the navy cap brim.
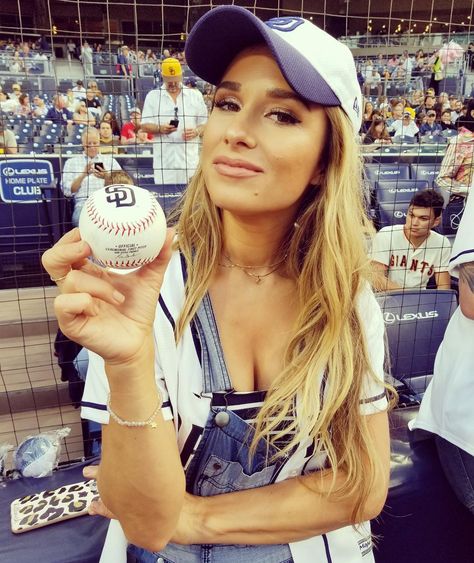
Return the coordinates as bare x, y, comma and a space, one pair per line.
223, 32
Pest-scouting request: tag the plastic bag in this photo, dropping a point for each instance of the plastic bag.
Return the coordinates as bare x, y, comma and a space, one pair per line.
38, 456
4, 449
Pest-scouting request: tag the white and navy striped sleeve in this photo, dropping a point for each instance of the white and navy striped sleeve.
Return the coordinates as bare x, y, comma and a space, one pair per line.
373, 397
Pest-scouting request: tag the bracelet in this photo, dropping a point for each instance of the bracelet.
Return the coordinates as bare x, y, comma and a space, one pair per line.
135, 423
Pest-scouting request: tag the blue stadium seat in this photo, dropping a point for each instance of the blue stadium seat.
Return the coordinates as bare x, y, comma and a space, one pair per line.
379, 171
448, 133
398, 190
404, 140
433, 139
427, 172
415, 322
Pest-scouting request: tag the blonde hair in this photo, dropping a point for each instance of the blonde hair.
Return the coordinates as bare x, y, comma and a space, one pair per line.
327, 258
118, 177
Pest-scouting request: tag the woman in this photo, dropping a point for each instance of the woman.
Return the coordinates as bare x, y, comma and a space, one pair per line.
82, 115
112, 119
378, 133
25, 106
456, 171
367, 117
273, 207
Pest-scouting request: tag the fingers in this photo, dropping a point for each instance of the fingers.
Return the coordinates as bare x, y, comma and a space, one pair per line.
69, 250
91, 471
69, 306
77, 281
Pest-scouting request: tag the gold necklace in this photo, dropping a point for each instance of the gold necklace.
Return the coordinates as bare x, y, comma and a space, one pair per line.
257, 277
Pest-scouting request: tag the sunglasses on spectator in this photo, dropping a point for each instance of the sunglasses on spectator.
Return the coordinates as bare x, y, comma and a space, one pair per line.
431, 114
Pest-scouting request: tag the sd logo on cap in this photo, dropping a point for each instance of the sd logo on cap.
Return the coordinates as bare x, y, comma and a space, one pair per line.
171, 68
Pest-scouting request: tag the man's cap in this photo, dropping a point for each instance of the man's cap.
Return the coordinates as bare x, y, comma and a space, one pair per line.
410, 112
135, 110
317, 66
170, 68
191, 81
80, 83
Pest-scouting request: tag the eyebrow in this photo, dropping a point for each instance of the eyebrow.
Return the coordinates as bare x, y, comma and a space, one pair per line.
278, 93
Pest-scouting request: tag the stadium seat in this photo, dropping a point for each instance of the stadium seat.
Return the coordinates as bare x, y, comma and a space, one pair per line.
398, 190
404, 140
433, 139
427, 172
415, 322
379, 171
448, 133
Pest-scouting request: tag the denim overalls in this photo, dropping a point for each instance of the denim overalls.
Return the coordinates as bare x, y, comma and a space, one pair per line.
221, 463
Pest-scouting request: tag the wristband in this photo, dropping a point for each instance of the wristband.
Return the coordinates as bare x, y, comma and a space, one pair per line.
135, 423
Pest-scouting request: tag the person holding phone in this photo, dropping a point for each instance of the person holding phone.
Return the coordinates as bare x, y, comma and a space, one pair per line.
176, 117
84, 174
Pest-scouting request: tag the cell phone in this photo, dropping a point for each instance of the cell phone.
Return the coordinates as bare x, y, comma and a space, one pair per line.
99, 166
174, 122
49, 507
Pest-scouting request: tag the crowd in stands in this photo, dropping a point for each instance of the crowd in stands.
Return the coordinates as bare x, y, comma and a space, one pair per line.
418, 117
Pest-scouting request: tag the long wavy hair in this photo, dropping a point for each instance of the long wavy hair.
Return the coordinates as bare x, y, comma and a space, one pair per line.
327, 258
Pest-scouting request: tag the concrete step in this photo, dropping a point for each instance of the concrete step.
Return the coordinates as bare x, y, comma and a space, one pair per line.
20, 306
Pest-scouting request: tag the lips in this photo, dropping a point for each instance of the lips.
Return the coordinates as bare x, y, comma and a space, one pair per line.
236, 168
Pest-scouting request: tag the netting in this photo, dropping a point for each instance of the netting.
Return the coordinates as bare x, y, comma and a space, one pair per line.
69, 64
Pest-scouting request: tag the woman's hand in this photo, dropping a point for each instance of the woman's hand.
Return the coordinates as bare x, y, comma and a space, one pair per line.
108, 313
187, 531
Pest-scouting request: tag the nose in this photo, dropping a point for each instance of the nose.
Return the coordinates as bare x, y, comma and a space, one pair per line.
240, 131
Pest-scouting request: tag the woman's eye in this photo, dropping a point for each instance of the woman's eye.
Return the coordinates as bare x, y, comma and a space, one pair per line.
226, 105
284, 117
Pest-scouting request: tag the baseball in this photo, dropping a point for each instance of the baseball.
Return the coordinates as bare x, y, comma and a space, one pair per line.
124, 225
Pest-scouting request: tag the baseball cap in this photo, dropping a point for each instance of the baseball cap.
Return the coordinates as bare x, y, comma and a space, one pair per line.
135, 110
171, 68
317, 66
410, 112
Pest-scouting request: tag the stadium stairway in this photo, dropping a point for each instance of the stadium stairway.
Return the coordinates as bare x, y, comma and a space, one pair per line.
33, 398
68, 70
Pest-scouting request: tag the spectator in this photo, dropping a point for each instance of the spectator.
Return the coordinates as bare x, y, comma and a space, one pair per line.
378, 133
40, 108
437, 72
16, 91
25, 107
58, 113
428, 104
456, 171
69, 100
456, 110
92, 85
79, 91
446, 122
177, 117
93, 103
406, 126
443, 100
417, 99
396, 110
129, 130
208, 96
84, 174
108, 143
8, 104
111, 118
367, 116
407, 256
8, 144
71, 50
117, 177
87, 59
446, 408
373, 81
124, 66
83, 116
430, 127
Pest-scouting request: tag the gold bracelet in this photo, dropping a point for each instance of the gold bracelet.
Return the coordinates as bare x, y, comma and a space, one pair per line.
135, 423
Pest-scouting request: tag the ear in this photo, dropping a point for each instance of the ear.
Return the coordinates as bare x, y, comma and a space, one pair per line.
437, 221
316, 178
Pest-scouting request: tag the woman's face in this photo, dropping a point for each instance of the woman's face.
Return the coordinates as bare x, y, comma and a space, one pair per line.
107, 117
379, 127
369, 107
262, 143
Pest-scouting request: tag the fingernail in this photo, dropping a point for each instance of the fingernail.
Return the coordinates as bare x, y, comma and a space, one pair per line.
118, 297
88, 472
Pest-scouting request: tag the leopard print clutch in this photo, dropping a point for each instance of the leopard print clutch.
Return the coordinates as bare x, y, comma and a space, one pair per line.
48, 507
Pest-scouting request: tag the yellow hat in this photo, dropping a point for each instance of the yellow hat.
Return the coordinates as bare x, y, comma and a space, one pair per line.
171, 68
410, 112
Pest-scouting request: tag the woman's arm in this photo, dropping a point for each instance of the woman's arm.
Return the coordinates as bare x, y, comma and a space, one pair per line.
449, 168
288, 511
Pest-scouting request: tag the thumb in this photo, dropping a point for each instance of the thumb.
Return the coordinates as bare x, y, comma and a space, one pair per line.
90, 472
